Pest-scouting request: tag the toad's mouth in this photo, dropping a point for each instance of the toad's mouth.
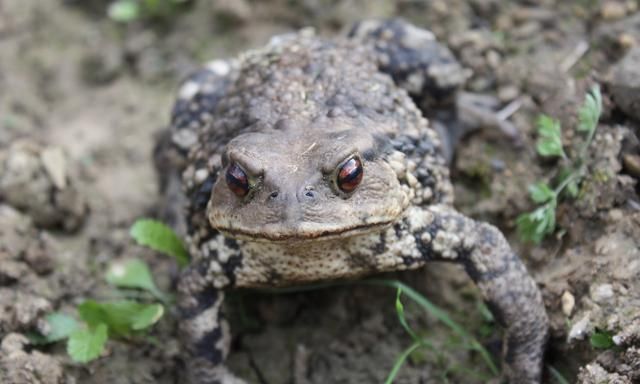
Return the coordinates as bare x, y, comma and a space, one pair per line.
272, 235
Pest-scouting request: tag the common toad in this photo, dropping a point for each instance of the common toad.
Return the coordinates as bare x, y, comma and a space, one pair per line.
311, 159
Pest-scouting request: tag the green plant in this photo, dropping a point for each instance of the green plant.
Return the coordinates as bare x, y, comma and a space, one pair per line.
468, 341
126, 11
161, 238
535, 225
101, 320
602, 339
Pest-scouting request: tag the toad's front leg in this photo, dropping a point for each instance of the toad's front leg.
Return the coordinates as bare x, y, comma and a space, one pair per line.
442, 234
204, 332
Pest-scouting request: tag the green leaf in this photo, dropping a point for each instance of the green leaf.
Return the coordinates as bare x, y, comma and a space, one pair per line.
602, 340
541, 192
85, 345
589, 113
159, 237
147, 317
572, 189
550, 137
92, 313
123, 317
124, 11
535, 225
133, 273
60, 326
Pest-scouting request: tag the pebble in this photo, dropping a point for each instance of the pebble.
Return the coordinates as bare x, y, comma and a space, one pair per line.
508, 93
54, 163
632, 164
613, 10
602, 293
624, 83
568, 303
580, 328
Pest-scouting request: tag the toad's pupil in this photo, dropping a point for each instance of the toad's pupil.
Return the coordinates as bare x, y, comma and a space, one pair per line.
237, 180
350, 175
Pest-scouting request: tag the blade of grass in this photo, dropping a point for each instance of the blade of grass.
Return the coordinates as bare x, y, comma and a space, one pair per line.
557, 375
400, 361
402, 319
431, 308
440, 315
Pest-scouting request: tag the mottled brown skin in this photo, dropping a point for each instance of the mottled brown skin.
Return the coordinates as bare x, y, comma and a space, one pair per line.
290, 115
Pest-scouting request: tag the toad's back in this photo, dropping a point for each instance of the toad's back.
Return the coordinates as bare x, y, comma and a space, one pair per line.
298, 78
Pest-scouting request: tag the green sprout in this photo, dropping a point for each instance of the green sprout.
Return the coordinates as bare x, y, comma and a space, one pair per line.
533, 226
602, 340
126, 11
102, 320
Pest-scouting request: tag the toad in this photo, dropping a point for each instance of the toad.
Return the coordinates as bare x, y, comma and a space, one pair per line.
312, 159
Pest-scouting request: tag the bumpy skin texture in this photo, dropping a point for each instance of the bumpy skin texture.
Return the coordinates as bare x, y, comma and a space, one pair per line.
290, 116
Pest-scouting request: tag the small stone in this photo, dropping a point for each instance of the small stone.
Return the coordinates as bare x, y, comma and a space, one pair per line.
568, 303
201, 175
615, 215
602, 293
613, 10
580, 329
55, 164
624, 83
631, 164
493, 58
626, 40
508, 93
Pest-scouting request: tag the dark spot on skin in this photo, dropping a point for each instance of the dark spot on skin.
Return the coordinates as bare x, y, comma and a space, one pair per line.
381, 245
369, 154
398, 229
230, 267
206, 346
201, 197
273, 277
205, 299
231, 243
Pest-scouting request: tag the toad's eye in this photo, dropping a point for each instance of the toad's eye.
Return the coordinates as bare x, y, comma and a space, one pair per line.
350, 174
237, 180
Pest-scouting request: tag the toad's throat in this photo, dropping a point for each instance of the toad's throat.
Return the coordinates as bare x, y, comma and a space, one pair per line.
292, 236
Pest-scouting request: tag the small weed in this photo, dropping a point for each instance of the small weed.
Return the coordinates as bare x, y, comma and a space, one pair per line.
535, 225
161, 238
468, 341
126, 11
102, 320
602, 340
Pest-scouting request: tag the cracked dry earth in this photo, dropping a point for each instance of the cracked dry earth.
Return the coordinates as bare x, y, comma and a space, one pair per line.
82, 98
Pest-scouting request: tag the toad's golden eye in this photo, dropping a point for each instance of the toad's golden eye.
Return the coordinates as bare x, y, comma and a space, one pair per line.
350, 174
237, 180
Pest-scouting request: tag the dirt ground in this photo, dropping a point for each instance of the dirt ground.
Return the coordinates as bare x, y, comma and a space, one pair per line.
87, 95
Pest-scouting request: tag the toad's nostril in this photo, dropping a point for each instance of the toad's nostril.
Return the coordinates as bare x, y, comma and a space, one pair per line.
307, 194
